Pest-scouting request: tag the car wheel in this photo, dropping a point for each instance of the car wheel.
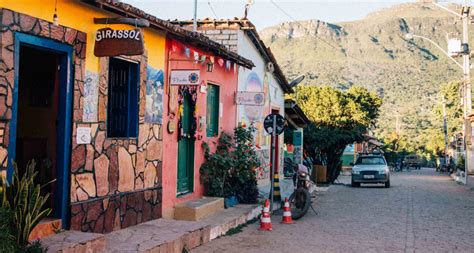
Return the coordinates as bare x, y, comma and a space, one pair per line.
387, 184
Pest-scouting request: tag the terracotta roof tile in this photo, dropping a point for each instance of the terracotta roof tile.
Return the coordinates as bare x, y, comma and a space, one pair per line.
251, 30
175, 31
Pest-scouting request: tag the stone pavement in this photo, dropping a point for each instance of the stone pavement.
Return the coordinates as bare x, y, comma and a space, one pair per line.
422, 212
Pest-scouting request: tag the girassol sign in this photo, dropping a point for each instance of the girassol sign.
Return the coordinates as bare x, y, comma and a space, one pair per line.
109, 42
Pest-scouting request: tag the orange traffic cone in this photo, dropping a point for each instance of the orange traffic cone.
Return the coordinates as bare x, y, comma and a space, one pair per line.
265, 221
287, 213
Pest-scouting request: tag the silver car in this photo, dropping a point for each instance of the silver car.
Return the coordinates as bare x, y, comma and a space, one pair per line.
370, 169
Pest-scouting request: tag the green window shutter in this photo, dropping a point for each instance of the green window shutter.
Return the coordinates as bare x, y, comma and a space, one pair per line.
212, 111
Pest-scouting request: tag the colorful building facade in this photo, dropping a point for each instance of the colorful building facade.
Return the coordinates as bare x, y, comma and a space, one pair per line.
241, 36
194, 114
93, 124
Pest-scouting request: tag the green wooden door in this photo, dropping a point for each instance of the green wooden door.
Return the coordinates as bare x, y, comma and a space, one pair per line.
186, 150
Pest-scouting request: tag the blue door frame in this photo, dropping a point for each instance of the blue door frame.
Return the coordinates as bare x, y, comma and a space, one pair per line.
64, 116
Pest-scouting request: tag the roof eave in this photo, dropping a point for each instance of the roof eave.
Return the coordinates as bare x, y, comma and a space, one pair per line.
174, 31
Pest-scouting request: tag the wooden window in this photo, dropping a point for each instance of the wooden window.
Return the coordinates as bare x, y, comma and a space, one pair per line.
212, 111
122, 109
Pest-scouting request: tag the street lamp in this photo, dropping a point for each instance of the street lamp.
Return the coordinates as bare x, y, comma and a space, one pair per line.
467, 91
410, 36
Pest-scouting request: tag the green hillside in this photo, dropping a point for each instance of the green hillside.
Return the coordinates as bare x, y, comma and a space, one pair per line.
374, 53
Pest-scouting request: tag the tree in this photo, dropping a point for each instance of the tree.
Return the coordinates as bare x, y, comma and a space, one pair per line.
338, 118
454, 117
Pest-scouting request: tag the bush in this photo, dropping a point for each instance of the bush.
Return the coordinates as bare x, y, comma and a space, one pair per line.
216, 169
246, 160
230, 171
7, 231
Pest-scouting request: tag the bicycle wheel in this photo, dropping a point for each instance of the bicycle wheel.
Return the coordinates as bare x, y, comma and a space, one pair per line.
299, 200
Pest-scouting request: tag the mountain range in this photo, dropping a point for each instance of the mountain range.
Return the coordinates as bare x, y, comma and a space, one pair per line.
375, 53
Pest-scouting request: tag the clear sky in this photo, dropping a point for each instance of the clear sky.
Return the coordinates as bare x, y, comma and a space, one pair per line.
264, 13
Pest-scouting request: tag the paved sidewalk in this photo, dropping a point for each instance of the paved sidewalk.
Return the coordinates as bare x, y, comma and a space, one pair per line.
161, 235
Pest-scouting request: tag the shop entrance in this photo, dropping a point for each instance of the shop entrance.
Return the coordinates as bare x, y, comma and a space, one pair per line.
37, 115
41, 116
186, 148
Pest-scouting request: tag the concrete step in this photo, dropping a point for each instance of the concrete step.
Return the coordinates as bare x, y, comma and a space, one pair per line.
161, 235
198, 209
224, 220
46, 227
75, 242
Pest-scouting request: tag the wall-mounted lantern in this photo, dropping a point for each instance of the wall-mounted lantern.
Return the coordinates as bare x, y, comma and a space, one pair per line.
210, 66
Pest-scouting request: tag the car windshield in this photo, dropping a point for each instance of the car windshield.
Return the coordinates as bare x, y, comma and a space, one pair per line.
370, 161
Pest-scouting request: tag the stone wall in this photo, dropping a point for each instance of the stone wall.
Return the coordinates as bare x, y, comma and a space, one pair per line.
115, 183
12, 22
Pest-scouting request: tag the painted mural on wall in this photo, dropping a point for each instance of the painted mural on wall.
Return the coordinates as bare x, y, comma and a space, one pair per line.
154, 96
263, 172
91, 97
254, 83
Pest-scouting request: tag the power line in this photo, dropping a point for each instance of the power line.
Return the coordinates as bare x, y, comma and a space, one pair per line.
212, 9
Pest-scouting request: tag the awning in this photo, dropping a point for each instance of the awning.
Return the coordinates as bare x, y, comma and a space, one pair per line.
294, 115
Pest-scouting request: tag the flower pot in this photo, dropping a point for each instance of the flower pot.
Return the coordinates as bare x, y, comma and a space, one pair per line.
230, 201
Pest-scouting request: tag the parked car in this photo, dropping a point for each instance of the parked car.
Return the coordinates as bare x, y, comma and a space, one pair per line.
412, 161
370, 169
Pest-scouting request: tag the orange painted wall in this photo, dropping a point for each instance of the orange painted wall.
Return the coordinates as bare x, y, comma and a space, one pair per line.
227, 81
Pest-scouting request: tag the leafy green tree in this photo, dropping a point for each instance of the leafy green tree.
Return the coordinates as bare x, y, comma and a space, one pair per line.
338, 118
433, 138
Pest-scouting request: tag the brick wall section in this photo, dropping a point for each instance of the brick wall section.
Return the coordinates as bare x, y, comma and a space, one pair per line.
228, 37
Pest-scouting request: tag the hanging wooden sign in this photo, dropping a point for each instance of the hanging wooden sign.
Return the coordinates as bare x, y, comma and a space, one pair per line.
250, 98
185, 77
109, 42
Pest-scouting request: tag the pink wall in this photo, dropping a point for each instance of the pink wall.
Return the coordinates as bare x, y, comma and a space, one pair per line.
226, 79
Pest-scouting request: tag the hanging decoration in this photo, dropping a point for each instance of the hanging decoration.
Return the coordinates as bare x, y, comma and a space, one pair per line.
187, 52
221, 62
182, 92
196, 56
227, 64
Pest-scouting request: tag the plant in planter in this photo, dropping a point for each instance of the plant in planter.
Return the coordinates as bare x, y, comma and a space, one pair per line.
229, 172
23, 198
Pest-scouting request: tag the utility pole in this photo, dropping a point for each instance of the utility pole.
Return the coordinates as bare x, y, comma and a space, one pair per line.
467, 88
397, 124
445, 129
467, 97
195, 16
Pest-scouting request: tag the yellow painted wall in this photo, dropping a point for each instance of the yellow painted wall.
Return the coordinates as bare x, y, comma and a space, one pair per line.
79, 16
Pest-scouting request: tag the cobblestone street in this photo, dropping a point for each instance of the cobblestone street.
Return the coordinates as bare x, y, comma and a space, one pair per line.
422, 211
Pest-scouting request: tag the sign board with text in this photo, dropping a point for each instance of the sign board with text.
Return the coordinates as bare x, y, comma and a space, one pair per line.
250, 98
109, 42
185, 77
